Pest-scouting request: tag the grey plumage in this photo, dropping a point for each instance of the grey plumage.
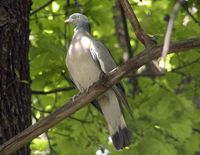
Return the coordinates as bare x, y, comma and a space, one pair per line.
86, 60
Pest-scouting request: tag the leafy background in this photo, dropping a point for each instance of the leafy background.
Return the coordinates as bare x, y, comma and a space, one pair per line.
165, 108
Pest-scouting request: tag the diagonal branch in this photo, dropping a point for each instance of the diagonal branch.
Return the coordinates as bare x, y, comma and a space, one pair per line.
139, 32
41, 7
186, 65
93, 92
186, 8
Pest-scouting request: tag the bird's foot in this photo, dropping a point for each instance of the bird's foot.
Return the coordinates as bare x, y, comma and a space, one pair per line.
74, 97
87, 90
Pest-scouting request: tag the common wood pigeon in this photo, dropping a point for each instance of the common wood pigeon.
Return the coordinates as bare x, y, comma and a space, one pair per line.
86, 60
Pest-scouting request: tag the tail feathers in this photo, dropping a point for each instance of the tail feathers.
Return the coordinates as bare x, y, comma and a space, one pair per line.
110, 107
121, 138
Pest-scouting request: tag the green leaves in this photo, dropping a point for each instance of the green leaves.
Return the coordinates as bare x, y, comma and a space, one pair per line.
164, 109
156, 145
181, 130
40, 145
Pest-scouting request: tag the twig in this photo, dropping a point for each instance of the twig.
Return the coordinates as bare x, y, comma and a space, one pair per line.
186, 65
193, 18
59, 133
139, 32
38, 92
185, 7
124, 39
147, 74
92, 92
126, 33
187, 79
79, 120
77, 4
65, 26
34, 116
170, 27
46, 16
52, 151
41, 7
164, 87
196, 130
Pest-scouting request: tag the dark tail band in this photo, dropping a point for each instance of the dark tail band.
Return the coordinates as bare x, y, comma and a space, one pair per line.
121, 138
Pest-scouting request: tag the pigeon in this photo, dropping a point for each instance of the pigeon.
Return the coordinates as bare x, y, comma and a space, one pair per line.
86, 60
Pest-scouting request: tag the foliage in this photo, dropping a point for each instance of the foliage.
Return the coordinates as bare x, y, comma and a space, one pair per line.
166, 115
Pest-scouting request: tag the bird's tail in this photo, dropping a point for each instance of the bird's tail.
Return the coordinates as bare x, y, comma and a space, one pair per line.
121, 138
110, 107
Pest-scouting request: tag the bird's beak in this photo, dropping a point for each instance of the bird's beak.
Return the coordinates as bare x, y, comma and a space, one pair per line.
68, 21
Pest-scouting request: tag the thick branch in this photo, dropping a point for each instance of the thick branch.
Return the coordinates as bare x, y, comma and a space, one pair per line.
95, 90
139, 32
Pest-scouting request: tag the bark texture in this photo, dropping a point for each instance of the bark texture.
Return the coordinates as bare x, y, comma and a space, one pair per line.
15, 96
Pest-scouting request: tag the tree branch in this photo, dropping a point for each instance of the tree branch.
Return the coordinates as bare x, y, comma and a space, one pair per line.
77, 4
41, 7
139, 32
173, 70
133, 80
80, 120
170, 27
186, 65
186, 8
38, 92
126, 33
196, 130
93, 92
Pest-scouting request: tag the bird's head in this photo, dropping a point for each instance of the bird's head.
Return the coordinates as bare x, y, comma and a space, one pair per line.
77, 19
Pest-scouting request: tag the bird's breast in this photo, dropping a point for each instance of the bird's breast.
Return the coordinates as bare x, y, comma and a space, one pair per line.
80, 62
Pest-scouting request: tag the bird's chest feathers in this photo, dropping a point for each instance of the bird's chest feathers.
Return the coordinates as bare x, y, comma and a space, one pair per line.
79, 50
80, 62
79, 46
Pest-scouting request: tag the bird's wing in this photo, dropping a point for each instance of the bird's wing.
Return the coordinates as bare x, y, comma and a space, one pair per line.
105, 62
102, 56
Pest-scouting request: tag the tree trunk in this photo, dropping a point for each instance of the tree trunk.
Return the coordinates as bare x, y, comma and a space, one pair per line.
15, 96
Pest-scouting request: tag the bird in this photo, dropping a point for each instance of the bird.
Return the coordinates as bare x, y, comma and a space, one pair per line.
86, 60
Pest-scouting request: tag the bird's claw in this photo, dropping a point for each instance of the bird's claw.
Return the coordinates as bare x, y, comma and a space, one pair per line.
87, 90
74, 97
